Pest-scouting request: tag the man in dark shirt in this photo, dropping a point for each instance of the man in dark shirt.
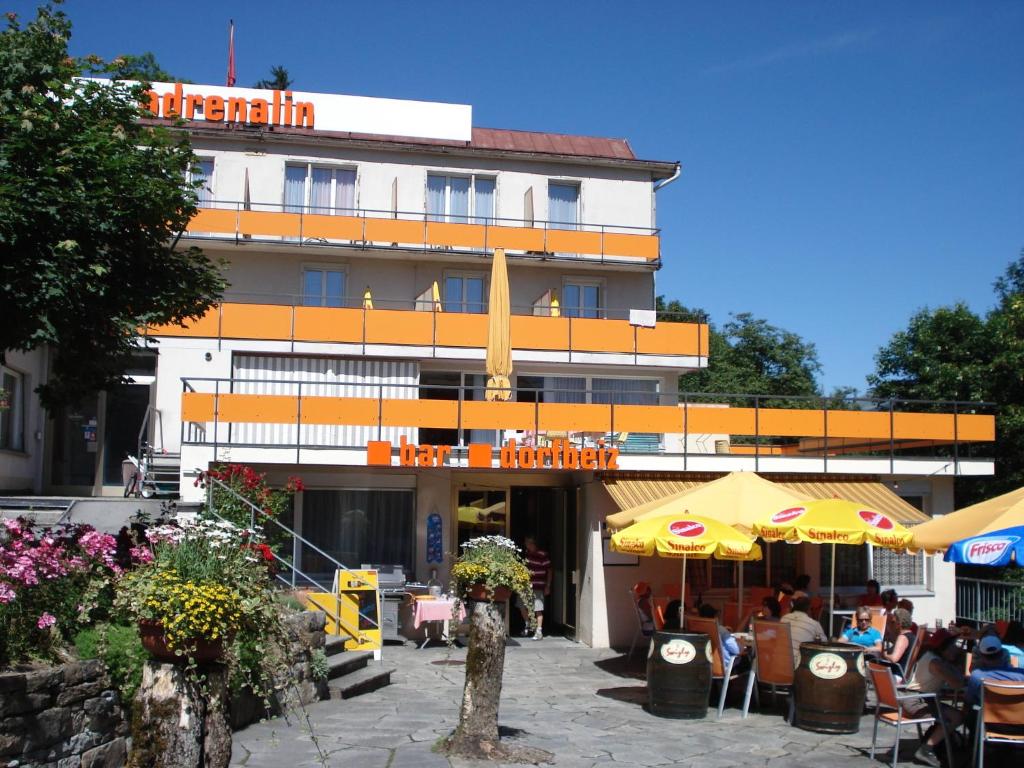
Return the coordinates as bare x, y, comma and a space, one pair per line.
539, 563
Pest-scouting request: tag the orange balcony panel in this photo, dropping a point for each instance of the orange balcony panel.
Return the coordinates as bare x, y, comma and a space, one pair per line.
214, 220
332, 227
542, 333
256, 321
197, 406
465, 235
592, 335
709, 420
436, 414
480, 414
395, 326
796, 422
979, 427
343, 326
257, 409
516, 238
648, 418
461, 329
361, 411
205, 327
394, 231
574, 417
858, 424
269, 223
639, 246
927, 426
671, 339
573, 241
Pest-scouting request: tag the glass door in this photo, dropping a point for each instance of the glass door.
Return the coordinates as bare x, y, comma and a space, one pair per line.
481, 513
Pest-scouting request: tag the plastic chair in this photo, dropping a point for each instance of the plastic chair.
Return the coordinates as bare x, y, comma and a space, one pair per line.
878, 619
890, 700
644, 623
719, 671
1002, 704
773, 663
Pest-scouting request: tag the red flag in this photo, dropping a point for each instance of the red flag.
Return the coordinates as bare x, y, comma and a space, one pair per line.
231, 54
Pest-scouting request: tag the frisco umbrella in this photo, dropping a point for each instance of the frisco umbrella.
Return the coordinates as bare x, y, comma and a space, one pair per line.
833, 521
997, 548
499, 340
995, 514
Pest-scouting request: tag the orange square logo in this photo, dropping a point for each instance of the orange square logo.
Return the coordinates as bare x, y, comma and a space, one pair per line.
480, 455
378, 453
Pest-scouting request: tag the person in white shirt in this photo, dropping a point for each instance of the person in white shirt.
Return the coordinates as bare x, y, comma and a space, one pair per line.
802, 628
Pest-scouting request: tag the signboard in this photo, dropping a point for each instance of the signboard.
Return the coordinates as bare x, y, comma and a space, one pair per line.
359, 600
559, 454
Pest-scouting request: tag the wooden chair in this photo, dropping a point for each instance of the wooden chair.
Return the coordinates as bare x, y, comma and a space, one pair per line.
773, 663
889, 710
719, 671
1002, 704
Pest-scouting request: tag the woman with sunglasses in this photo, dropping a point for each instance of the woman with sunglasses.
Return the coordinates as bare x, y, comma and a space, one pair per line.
862, 633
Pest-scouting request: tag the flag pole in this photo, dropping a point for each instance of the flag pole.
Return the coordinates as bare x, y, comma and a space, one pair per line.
231, 54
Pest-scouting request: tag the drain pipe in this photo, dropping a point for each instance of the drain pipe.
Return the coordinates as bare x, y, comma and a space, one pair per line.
654, 193
675, 175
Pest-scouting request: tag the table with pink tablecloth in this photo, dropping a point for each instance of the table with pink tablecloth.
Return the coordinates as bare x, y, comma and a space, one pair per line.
434, 611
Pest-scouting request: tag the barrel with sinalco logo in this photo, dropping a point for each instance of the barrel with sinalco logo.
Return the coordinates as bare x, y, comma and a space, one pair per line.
679, 675
829, 687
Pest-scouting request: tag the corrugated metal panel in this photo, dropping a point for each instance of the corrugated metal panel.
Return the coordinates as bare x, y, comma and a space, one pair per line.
321, 377
630, 491
551, 143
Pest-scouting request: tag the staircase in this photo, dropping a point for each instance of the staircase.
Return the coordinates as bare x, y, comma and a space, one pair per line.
164, 474
44, 511
350, 673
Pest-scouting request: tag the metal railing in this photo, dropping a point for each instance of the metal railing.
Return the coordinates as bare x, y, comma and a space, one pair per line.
259, 520
984, 601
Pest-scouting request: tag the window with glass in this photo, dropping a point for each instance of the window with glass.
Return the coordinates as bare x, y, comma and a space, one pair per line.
359, 527
581, 299
624, 391
551, 389
319, 189
563, 205
460, 199
464, 293
851, 565
202, 171
12, 417
323, 287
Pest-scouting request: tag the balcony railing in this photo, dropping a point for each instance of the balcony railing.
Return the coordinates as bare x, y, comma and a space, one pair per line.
320, 415
983, 601
368, 228
433, 331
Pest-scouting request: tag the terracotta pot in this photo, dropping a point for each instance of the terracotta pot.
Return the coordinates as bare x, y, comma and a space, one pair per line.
151, 633
479, 593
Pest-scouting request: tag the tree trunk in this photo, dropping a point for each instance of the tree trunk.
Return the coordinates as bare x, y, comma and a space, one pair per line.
477, 732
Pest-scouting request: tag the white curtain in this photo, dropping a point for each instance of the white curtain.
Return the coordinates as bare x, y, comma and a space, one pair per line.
624, 391
435, 197
458, 204
344, 192
294, 188
565, 389
563, 205
204, 173
484, 200
320, 194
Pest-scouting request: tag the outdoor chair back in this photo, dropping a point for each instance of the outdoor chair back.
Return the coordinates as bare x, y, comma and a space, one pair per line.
644, 623
914, 654
889, 709
878, 620
773, 661
1002, 705
658, 606
719, 671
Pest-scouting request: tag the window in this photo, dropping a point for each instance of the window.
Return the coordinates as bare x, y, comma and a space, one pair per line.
202, 170
323, 287
464, 293
563, 205
581, 299
900, 570
321, 190
552, 389
460, 199
851, 565
624, 391
12, 410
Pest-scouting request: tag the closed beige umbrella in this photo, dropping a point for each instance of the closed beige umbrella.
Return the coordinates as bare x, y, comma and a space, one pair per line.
499, 340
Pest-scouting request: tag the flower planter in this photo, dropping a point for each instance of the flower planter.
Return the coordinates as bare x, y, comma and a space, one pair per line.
151, 633
479, 593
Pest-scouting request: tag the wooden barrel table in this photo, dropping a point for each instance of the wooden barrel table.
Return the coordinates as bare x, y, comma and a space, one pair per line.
829, 688
679, 675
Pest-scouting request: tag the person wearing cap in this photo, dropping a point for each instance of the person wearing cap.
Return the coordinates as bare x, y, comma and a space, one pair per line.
991, 662
936, 670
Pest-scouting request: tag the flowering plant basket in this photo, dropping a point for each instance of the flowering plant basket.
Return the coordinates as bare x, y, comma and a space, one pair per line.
491, 568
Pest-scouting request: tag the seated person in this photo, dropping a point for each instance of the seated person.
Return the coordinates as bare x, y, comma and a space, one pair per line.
770, 610
801, 585
862, 633
802, 628
871, 597
730, 647
939, 668
991, 662
909, 608
898, 643
673, 617
890, 600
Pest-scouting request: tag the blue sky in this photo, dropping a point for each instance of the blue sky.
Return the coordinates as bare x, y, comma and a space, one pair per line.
844, 164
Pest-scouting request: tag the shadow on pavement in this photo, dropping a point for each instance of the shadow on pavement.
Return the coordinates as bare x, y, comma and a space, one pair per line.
629, 694
624, 666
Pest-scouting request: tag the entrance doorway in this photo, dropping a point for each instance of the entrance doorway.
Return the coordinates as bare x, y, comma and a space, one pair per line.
549, 515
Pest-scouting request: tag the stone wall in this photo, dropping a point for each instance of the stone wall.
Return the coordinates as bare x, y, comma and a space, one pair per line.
64, 717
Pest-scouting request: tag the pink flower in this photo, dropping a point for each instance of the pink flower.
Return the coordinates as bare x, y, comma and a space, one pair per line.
141, 554
46, 620
7, 593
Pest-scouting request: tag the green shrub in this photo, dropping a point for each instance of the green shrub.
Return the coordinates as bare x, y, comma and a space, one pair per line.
119, 647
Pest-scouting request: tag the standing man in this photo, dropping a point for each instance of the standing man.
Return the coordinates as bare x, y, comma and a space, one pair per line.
539, 563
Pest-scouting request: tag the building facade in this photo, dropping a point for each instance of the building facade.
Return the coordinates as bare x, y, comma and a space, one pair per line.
358, 237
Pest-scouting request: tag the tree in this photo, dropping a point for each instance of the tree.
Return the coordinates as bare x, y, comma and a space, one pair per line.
91, 203
279, 80
142, 67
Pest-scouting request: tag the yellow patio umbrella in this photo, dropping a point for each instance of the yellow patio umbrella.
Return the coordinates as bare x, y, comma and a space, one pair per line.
685, 536
833, 521
995, 514
499, 340
435, 297
367, 299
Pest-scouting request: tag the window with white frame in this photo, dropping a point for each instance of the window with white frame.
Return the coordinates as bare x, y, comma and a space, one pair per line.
464, 292
202, 171
581, 298
12, 410
563, 205
460, 199
323, 286
319, 189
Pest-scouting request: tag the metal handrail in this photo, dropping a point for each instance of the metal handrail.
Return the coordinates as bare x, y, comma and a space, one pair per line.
253, 512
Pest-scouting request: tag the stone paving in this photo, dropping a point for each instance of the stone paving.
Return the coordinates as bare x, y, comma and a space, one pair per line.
583, 705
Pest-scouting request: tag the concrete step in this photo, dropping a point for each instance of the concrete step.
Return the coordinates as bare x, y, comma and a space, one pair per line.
362, 681
342, 664
333, 645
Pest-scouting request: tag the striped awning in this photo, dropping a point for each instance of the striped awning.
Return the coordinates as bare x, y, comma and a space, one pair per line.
632, 489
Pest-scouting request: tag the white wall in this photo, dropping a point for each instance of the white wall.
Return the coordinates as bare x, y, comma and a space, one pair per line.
23, 470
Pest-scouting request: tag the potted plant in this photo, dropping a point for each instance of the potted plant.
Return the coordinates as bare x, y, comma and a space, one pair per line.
491, 569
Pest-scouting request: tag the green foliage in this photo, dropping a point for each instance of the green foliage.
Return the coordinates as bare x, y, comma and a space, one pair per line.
492, 561
119, 647
318, 665
91, 202
142, 67
279, 80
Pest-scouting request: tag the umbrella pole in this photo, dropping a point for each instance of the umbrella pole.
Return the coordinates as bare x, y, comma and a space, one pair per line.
682, 596
832, 595
739, 609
